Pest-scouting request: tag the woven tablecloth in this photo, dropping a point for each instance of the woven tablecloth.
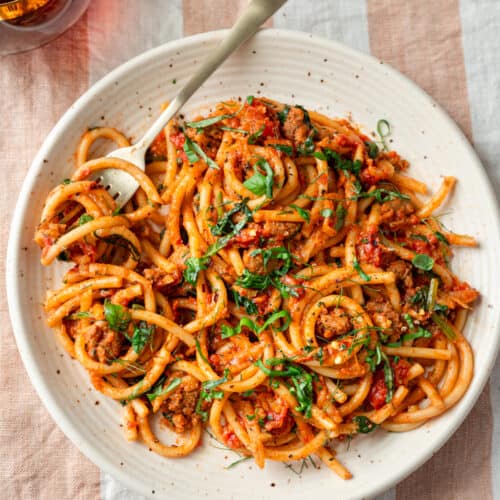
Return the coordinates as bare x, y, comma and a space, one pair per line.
450, 48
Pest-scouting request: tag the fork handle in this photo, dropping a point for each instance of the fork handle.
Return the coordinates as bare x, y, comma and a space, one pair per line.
255, 14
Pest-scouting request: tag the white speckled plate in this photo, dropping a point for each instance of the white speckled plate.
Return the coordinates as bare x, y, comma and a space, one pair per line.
290, 67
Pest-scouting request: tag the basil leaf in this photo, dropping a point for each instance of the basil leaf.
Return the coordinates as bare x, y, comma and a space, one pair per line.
423, 262
117, 317
209, 121
240, 300
444, 326
188, 149
441, 237
238, 130
365, 425
252, 138
421, 333
288, 150
372, 149
225, 225
382, 195
280, 253
158, 390
253, 280
302, 382
80, 315
302, 212
341, 163
250, 100
260, 184
209, 385
360, 271
84, 218
388, 378
200, 352
198, 150
383, 130
320, 155
282, 115
242, 459
142, 334
340, 213
307, 147
228, 331
193, 266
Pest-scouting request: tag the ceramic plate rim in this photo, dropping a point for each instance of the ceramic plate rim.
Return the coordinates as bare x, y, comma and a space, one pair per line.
28, 355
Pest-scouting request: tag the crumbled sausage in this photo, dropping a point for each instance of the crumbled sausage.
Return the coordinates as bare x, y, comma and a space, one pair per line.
295, 127
398, 213
402, 270
382, 313
333, 323
179, 408
103, 343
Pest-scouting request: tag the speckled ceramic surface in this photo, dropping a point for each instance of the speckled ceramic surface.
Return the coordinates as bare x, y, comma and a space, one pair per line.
290, 67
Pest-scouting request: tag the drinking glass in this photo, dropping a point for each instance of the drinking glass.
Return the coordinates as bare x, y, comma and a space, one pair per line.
26, 24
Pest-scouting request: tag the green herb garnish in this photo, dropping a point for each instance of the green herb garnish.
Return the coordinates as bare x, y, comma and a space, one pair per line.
141, 336
117, 317
252, 138
193, 266
302, 212
84, 218
423, 262
383, 130
284, 148
228, 331
158, 390
260, 184
360, 271
365, 425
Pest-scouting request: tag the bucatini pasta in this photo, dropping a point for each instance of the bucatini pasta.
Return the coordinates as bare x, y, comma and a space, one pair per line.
276, 278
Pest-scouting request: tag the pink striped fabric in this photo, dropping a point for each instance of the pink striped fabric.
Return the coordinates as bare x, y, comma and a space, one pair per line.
449, 47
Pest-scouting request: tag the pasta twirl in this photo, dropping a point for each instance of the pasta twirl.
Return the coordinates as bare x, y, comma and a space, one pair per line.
276, 277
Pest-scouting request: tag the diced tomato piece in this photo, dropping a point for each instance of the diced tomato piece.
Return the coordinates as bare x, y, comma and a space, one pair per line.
158, 146
230, 438
401, 369
178, 140
369, 249
378, 391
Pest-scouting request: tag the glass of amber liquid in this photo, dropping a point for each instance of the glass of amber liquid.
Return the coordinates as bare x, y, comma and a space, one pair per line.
26, 24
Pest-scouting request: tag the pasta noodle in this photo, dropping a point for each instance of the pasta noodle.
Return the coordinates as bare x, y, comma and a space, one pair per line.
276, 277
